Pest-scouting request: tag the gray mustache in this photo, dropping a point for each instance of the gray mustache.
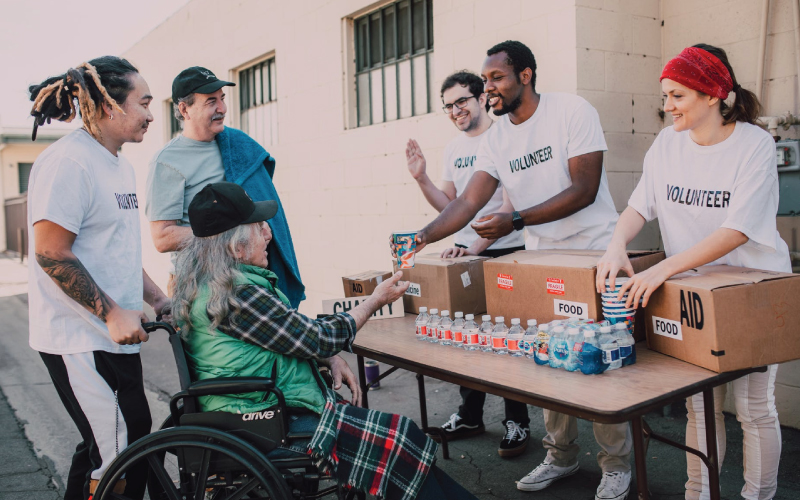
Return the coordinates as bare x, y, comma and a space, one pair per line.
218, 116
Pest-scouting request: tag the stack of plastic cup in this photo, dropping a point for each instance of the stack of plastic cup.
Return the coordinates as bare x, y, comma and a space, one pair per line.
615, 310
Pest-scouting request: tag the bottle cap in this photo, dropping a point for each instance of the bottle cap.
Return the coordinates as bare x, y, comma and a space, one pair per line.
445, 313
532, 322
620, 326
486, 317
499, 319
469, 317
514, 321
605, 329
574, 330
588, 333
558, 329
423, 310
434, 311
459, 314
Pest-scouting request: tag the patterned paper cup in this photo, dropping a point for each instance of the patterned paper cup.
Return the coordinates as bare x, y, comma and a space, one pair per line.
628, 319
405, 245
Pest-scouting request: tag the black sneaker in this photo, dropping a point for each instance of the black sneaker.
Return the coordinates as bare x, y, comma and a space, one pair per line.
457, 428
515, 440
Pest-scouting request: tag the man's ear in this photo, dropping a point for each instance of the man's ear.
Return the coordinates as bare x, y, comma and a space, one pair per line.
525, 76
183, 108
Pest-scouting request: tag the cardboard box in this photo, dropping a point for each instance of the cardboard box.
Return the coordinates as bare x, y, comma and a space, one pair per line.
361, 284
452, 284
546, 285
726, 318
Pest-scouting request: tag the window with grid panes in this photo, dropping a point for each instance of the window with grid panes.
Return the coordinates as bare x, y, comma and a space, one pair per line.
394, 53
24, 170
258, 107
175, 126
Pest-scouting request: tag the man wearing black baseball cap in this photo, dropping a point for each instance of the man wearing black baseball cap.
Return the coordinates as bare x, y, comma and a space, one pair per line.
208, 152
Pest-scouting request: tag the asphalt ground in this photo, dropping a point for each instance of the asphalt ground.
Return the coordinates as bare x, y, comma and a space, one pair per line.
38, 437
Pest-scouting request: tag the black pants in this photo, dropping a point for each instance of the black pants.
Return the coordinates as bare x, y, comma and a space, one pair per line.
123, 375
472, 401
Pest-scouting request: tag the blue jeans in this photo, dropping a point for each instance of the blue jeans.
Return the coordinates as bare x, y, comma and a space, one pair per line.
307, 424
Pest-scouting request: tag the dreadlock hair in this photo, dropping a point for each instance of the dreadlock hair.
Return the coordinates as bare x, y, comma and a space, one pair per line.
102, 80
519, 56
746, 107
465, 78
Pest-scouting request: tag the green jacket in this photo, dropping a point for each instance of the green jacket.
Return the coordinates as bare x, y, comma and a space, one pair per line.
213, 354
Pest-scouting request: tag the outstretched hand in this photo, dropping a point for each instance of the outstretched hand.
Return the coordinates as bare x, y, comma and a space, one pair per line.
493, 226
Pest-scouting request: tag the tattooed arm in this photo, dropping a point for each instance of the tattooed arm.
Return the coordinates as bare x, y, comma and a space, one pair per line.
54, 255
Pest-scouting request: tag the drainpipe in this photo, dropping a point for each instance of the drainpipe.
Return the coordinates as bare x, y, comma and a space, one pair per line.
796, 13
771, 123
762, 40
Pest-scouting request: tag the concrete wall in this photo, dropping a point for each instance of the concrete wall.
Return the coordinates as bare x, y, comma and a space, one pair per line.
345, 190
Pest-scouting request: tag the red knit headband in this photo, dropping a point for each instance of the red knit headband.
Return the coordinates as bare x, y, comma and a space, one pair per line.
700, 70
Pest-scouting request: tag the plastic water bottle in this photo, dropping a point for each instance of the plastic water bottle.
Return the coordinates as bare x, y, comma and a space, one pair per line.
575, 346
500, 336
591, 355
458, 330
433, 326
422, 323
627, 346
559, 350
485, 334
471, 333
446, 329
541, 353
529, 340
610, 348
515, 335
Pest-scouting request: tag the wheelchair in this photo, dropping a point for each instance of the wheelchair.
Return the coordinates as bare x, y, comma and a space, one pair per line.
219, 455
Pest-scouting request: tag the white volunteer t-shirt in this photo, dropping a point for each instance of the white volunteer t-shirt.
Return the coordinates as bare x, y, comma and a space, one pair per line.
531, 162
79, 185
694, 190
459, 165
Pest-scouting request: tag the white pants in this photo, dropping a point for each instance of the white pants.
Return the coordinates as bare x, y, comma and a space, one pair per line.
754, 399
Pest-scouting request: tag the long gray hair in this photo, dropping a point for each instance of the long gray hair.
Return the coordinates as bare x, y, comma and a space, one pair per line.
210, 261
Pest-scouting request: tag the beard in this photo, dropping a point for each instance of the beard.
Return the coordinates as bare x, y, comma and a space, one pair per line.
510, 107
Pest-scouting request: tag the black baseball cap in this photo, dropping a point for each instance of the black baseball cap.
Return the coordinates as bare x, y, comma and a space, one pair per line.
196, 79
222, 206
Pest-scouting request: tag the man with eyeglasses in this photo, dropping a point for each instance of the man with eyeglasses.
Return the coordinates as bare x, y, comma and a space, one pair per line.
465, 105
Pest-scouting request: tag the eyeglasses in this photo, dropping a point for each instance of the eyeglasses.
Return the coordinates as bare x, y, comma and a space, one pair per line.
459, 104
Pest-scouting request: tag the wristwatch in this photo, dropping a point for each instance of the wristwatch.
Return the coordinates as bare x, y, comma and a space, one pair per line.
516, 221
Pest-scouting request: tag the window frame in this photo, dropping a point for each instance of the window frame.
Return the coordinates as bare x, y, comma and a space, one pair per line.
19, 176
359, 67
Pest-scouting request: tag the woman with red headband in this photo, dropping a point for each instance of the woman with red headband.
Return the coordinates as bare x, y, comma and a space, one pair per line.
711, 180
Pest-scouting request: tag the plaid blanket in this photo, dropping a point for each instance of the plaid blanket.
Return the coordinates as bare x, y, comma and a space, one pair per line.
383, 454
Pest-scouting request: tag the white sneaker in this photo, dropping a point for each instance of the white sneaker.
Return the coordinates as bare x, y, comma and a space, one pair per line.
614, 486
544, 475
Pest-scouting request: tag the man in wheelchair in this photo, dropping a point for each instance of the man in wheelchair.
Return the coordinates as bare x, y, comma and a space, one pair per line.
236, 322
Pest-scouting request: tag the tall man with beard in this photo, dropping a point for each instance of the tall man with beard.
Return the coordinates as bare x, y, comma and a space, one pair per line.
207, 152
465, 105
547, 150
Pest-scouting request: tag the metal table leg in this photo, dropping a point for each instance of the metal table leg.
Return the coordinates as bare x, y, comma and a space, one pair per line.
711, 444
362, 381
423, 412
640, 457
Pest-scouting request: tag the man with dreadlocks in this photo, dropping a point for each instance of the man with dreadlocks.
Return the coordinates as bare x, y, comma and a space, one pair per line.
86, 278
205, 152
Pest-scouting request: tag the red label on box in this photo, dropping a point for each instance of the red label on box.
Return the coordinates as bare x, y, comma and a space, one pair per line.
555, 286
505, 281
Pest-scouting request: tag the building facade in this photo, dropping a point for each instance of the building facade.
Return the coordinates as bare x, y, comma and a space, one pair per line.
334, 89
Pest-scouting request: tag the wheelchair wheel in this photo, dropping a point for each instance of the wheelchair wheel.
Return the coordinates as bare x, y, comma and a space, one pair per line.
196, 463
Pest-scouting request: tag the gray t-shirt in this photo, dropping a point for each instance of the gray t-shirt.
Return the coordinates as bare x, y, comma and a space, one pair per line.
177, 173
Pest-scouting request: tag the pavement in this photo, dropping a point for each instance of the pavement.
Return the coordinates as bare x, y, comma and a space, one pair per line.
37, 437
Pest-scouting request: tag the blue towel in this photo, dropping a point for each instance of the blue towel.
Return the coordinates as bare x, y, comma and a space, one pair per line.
251, 166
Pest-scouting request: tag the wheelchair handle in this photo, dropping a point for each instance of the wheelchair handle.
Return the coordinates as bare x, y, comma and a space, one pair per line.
158, 325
